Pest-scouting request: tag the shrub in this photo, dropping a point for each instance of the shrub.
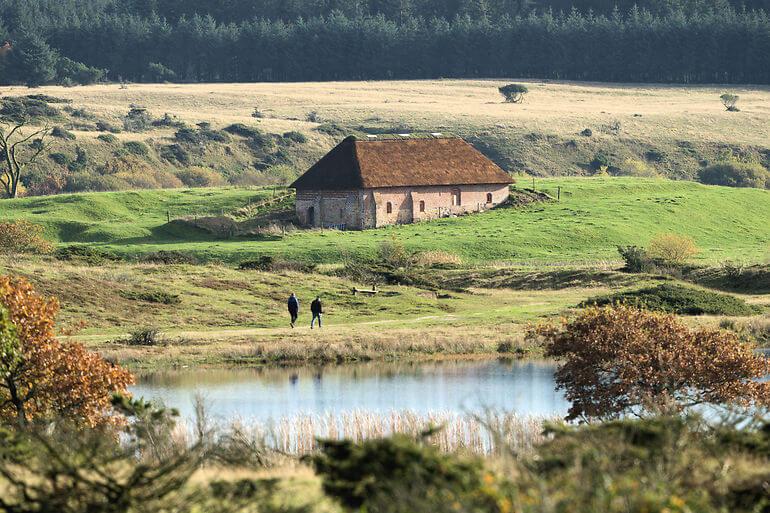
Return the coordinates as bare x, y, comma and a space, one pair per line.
297, 137
678, 299
256, 113
73, 72
153, 296
672, 248
107, 138
59, 158
104, 126
23, 237
735, 174
200, 177
637, 260
269, 264
729, 101
601, 160
85, 254
616, 360
398, 474
157, 72
437, 258
175, 153
513, 93
587, 132
393, 253
638, 168
137, 119
137, 148
144, 337
169, 258
17, 109
168, 121
242, 130
62, 133
313, 117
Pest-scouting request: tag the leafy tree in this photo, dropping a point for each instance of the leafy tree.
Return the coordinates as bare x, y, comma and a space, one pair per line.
42, 378
513, 93
32, 61
729, 101
18, 151
620, 360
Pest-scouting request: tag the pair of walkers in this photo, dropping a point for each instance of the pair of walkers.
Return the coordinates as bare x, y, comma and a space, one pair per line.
316, 308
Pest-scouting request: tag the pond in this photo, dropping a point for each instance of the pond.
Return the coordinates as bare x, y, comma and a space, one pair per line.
525, 388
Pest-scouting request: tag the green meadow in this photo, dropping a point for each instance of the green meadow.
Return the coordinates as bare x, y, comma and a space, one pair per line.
592, 217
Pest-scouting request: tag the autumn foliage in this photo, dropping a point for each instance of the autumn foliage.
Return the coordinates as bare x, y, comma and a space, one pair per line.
23, 237
618, 360
41, 377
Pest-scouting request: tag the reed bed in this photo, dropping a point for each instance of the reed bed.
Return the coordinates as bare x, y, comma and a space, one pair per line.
487, 434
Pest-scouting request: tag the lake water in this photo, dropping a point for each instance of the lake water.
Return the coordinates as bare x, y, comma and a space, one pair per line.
525, 388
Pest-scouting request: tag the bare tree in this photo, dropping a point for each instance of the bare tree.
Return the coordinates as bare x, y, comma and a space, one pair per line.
17, 152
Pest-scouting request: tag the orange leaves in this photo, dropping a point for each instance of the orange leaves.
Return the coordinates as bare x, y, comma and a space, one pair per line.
621, 359
23, 237
52, 378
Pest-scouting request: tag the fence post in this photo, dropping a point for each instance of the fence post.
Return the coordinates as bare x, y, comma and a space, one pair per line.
558, 193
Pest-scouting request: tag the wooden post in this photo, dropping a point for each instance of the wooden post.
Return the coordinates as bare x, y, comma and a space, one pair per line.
168, 216
533, 184
558, 193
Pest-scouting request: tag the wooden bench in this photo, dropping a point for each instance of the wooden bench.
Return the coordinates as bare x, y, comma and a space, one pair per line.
366, 292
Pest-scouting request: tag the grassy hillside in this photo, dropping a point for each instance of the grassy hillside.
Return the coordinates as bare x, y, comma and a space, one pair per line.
592, 218
637, 129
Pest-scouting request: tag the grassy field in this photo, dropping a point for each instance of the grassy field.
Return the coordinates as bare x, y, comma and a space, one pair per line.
593, 217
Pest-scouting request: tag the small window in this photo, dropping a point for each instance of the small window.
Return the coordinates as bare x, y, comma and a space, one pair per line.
389, 207
489, 197
456, 200
422, 206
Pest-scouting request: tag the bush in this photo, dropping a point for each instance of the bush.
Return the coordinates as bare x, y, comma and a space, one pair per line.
73, 72
638, 168
729, 101
242, 130
393, 253
168, 121
85, 254
437, 258
678, 299
269, 264
297, 137
637, 260
169, 258
735, 174
16, 109
154, 296
513, 93
62, 133
600, 161
398, 474
618, 360
23, 237
107, 138
104, 126
200, 177
137, 119
59, 158
175, 153
672, 248
137, 148
144, 337
313, 117
157, 72
587, 132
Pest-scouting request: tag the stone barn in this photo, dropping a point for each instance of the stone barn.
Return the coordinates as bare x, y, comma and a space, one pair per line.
377, 182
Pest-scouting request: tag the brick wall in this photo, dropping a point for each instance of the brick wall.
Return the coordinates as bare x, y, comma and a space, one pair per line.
369, 208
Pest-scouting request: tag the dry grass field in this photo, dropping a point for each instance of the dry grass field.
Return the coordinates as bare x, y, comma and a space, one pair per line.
646, 111
680, 125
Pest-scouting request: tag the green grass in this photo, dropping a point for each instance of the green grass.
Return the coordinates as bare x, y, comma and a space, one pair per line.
592, 218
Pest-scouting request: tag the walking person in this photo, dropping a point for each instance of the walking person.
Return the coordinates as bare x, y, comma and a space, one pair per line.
293, 308
317, 309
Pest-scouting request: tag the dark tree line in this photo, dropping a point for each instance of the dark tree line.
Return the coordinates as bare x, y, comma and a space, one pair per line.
134, 42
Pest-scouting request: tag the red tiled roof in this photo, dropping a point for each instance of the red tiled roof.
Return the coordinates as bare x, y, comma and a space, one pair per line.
357, 164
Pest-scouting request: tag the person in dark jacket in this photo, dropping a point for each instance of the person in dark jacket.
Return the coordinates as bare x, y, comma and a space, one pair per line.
293, 308
317, 309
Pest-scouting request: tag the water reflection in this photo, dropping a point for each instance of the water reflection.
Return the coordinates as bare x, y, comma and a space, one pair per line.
262, 394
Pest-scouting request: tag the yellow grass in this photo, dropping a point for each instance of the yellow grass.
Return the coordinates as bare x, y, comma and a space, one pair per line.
647, 112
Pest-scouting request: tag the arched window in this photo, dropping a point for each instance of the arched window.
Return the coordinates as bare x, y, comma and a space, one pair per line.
489, 197
389, 207
422, 206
